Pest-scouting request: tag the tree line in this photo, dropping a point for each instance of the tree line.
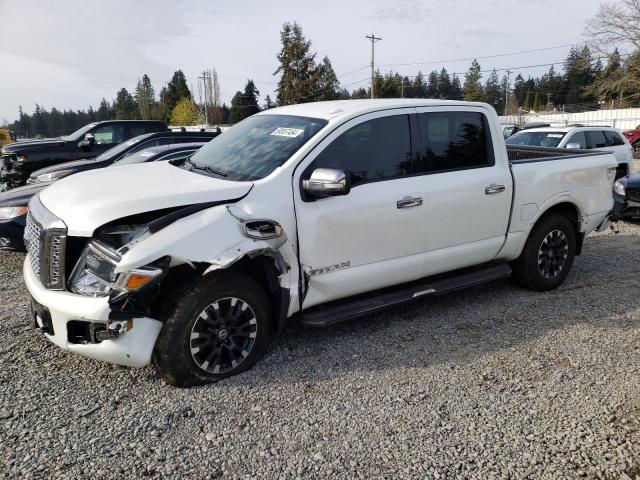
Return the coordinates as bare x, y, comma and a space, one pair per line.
590, 77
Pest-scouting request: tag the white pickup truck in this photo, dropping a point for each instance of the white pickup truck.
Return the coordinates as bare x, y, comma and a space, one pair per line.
317, 212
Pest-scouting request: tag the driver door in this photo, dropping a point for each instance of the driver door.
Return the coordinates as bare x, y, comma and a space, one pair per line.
374, 236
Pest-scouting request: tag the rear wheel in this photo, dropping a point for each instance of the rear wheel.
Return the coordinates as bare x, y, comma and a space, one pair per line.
219, 326
548, 255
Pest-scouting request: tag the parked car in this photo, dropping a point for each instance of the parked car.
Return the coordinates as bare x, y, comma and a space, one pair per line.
7, 136
633, 137
509, 129
580, 137
319, 212
20, 159
626, 194
135, 144
14, 203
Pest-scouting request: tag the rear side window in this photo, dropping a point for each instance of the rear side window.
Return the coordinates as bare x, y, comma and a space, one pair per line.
580, 138
596, 139
374, 150
614, 138
156, 142
454, 141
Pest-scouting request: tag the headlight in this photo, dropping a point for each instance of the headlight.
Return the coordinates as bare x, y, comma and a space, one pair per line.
94, 274
13, 212
50, 177
619, 188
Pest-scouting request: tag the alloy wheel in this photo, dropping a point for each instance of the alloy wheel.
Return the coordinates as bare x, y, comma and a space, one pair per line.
553, 253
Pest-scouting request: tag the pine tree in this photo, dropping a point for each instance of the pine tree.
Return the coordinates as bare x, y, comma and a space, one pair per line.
244, 104
472, 86
268, 103
456, 89
418, 87
175, 91
105, 111
297, 67
432, 85
125, 106
493, 93
536, 102
528, 101
327, 85
444, 84
145, 98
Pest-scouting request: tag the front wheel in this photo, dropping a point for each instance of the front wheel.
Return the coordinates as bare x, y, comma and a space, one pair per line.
548, 255
219, 326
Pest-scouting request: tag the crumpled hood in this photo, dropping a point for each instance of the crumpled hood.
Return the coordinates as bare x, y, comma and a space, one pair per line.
88, 200
20, 147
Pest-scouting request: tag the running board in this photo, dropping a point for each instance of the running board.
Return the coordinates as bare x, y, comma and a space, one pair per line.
341, 310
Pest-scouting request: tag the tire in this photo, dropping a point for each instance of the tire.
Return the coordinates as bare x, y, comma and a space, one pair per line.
536, 268
223, 319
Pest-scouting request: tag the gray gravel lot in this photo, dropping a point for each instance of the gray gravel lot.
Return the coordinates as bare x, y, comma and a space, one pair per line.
491, 382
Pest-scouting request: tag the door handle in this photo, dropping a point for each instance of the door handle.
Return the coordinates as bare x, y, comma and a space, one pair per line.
408, 202
493, 189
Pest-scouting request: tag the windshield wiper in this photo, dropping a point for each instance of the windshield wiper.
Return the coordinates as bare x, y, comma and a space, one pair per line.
205, 168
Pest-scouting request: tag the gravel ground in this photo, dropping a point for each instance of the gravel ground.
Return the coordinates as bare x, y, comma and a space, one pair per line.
491, 382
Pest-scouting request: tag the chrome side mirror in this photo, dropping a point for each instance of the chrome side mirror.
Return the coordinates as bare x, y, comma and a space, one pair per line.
327, 182
574, 145
88, 140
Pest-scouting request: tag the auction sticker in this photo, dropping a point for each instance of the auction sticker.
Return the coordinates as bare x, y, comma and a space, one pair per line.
287, 132
555, 135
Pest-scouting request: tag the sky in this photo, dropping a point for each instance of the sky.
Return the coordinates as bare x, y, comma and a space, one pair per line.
69, 54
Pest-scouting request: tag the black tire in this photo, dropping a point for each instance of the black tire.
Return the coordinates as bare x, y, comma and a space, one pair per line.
528, 270
194, 323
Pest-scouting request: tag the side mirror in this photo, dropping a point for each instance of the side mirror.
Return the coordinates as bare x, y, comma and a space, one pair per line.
327, 182
89, 140
574, 145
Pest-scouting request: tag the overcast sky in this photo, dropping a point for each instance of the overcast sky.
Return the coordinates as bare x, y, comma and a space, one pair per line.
71, 53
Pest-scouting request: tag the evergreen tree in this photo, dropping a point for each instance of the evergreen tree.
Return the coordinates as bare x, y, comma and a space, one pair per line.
432, 85
472, 86
528, 101
418, 88
268, 103
175, 91
536, 102
297, 67
327, 85
444, 84
359, 93
145, 98
456, 89
105, 111
519, 91
244, 104
125, 106
493, 93
579, 75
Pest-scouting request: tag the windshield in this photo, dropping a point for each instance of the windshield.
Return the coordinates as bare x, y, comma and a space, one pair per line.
78, 134
255, 147
139, 157
536, 139
120, 148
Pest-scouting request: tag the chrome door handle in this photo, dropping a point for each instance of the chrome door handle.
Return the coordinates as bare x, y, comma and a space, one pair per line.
493, 189
408, 202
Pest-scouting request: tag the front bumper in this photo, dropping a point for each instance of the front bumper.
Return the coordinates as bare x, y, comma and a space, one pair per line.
132, 348
11, 234
624, 208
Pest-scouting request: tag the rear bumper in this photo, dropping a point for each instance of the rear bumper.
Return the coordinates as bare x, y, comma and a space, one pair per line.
132, 348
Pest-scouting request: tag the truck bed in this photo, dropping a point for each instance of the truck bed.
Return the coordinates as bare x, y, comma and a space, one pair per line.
524, 154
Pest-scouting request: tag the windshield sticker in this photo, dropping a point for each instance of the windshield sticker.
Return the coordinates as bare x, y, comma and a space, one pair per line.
287, 132
555, 135
146, 154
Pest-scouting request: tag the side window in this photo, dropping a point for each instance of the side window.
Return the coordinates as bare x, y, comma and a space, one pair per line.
135, 130
613, 138
580, 138
110, 134
596, 139
156, 142
454, 141
374, 150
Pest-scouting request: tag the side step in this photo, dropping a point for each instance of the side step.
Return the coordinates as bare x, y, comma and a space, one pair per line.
364, 304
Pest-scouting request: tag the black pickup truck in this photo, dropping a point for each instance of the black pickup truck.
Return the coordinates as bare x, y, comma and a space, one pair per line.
18, 160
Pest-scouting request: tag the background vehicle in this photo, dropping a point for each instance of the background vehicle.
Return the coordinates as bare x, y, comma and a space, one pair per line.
21, 158
580, 137
6, 137
626, 194
633, 137
112, 155
318, 211
513, 128
14, 203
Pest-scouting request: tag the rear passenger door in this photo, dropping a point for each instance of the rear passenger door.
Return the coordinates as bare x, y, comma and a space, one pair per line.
468, 189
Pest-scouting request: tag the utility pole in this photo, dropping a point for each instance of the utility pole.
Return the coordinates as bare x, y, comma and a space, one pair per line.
373, 39
506, 93
206, 103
